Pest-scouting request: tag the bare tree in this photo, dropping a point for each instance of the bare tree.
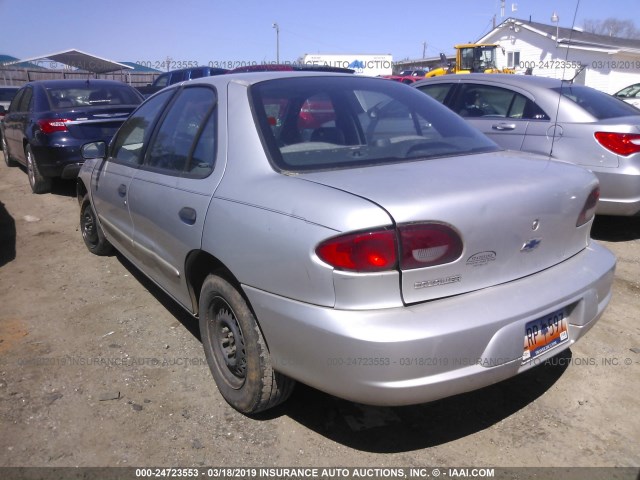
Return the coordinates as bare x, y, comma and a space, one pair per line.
612, 27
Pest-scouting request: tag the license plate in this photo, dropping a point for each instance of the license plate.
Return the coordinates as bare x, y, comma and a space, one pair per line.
545, 333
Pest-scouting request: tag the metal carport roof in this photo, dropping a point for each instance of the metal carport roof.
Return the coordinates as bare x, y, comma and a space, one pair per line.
80, 60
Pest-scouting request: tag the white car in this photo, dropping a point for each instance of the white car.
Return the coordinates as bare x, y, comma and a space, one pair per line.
630, 94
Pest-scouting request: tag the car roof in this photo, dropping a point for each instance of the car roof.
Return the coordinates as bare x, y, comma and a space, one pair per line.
505, 78
250, 78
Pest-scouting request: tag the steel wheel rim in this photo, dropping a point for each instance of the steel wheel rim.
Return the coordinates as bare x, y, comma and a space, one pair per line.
88, 227
227, 340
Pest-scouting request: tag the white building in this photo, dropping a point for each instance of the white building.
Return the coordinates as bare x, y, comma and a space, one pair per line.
611, 63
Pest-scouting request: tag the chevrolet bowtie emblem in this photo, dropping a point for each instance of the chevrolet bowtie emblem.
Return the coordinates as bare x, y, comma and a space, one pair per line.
531, 245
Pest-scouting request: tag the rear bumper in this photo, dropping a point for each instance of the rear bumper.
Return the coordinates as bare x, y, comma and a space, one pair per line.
619, 190
58, 161
423, 352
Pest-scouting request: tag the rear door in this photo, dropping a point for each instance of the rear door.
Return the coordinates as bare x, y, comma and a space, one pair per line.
110, 183
496, 111
170, 194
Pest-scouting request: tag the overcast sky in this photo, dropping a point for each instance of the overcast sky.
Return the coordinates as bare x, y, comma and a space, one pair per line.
217, 31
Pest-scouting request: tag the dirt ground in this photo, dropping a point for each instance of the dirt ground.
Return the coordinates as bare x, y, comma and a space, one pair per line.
100, 368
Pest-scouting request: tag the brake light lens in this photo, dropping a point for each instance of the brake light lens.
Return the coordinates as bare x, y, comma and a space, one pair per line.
589, 209
624, 144
373, 251
51, 125
428, 244
420, 245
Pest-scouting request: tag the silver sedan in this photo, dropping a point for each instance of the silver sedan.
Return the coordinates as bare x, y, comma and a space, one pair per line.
556, 118
350, 233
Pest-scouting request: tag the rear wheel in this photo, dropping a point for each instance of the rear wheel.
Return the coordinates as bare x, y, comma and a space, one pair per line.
5, 153
39, 183
92, 233
236, 350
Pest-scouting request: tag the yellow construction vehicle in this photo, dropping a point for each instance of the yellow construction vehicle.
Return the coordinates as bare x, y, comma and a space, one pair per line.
471, 58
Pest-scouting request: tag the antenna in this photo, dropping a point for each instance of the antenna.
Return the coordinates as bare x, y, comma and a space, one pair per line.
563, 84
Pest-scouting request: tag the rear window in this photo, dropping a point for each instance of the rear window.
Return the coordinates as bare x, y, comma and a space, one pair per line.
317, 123
598, 104
92, 95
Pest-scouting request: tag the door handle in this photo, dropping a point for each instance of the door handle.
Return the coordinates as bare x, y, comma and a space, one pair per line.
122, 190
187, 215
504, 126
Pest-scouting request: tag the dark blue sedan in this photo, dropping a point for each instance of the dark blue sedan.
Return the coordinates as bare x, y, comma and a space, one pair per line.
49, 120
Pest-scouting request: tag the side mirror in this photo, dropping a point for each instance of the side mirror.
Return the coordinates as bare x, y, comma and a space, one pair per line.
94, 150
2, 110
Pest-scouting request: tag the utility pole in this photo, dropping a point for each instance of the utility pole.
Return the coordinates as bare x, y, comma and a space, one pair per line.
277, 27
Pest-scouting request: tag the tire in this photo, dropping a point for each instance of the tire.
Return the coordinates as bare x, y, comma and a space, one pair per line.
5, 152
38, 183
92, 233
236, 351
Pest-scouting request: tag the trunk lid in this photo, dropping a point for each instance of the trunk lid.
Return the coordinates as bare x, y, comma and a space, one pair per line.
516, 214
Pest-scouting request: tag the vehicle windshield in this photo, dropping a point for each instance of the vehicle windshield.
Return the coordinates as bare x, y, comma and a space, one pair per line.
317, 123
91, 95
598, 104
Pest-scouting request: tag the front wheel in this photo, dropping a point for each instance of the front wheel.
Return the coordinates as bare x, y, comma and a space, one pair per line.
236, 351
92, 233
38, 183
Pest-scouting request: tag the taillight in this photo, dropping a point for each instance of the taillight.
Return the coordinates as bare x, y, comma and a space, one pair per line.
589, 209
361, 251
428, 244
420, 245
624, 144
51, 125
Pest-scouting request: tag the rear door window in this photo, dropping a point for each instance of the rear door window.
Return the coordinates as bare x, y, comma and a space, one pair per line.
476, 100
437, 91
189, 119
15, 103
26, 101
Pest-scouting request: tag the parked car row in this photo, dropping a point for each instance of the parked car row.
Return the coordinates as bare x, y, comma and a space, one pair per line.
349, 233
